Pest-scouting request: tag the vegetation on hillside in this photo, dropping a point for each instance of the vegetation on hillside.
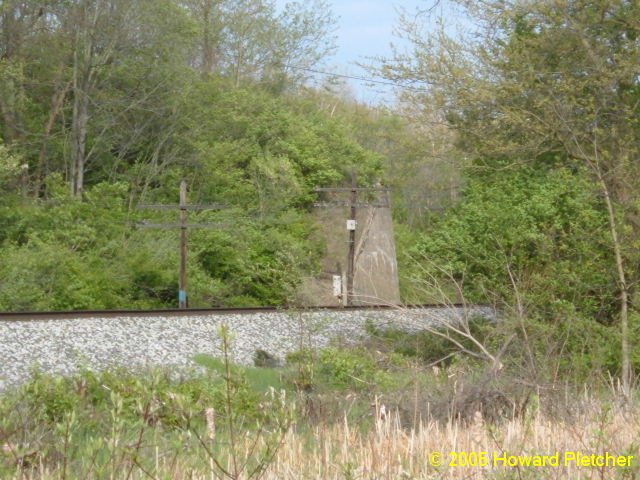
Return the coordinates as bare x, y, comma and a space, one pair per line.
108, 105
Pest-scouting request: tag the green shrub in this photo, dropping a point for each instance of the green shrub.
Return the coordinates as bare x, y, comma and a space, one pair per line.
347, 368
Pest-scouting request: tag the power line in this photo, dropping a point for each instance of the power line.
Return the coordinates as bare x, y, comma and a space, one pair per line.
362, 79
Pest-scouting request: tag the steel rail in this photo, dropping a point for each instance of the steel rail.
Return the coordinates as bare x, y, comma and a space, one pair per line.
176, 312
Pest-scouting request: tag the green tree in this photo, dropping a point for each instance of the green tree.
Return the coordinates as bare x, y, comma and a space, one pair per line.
547, 81
247, 40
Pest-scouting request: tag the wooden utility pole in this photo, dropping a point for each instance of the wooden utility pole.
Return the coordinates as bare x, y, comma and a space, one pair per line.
353, 205
351, 226
184, 207
182, 283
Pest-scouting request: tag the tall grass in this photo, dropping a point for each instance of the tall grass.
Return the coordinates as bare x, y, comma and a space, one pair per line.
388, 451
339, 414
342, 451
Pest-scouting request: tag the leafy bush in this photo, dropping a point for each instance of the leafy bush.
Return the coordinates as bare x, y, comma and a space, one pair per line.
95, 423
542, 232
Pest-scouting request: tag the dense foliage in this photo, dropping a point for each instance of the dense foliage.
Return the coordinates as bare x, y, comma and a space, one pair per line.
110, 105
543, 101
256, 155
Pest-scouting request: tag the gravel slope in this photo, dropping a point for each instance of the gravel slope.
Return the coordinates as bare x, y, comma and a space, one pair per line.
62, 346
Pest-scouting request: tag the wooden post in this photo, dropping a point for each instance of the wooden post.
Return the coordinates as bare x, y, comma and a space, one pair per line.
352, 237
182, 287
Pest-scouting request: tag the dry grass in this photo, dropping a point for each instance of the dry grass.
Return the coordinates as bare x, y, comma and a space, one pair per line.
345, 452
388, 452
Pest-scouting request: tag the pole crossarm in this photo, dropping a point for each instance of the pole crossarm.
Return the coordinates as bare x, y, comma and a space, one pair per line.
347, 189
151, 206
144, 224
348, 204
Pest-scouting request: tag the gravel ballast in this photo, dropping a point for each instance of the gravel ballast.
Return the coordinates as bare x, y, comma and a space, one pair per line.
63, 346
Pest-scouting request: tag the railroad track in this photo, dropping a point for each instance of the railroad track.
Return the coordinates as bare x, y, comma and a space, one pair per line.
61, 343
175, 312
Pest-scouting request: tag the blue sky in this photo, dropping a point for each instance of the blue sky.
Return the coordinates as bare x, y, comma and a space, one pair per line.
365, 26
365, 29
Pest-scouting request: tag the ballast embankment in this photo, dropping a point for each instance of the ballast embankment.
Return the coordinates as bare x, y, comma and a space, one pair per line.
65, 345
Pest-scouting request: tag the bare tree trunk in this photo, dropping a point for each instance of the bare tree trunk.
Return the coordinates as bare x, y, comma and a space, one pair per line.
17, 21
626, 373
57, 101
79, 134
10, 100
208, 39
9, 119
83, 72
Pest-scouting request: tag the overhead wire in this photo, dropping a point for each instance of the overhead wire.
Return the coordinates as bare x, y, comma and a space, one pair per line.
359, 78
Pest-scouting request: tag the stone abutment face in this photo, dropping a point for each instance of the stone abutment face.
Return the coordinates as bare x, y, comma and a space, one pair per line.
64, 346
